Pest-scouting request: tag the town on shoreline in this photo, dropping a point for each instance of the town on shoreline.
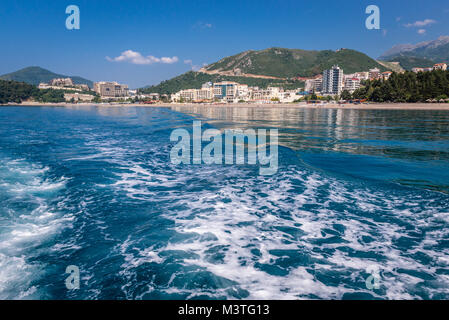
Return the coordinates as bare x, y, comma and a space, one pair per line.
332, 89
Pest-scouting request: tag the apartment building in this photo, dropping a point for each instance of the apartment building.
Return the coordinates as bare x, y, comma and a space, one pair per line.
333, 80
374, 74
226, 90
234, 92
315, 85
243, 91
440, 66
386, 75
205, 94
111, 89
352, 84
78, 97
362, 75
194, 95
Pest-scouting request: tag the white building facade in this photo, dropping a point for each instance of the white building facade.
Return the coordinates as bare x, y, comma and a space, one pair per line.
333, 80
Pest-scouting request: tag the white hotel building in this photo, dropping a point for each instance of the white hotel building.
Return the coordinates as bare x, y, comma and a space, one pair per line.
352, 84
233, 92
333, 81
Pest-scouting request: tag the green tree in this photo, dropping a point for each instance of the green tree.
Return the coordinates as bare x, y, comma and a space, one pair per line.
346, 95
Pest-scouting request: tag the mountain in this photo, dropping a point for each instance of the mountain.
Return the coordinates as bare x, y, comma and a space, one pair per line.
289, 63
36, 75
419, 55
273, 66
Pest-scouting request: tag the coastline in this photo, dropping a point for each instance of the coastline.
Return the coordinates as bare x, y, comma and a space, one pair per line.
369, 106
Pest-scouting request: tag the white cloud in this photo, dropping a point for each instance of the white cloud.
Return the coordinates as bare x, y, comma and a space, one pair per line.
423, 23
137, 58
192, 66
422, 31
169, 60
202, 25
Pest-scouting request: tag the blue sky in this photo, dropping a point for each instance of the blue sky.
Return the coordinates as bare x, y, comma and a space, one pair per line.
165, 38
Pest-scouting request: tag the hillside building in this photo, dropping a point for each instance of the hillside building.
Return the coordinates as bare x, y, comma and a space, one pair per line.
440, 66
61, 82
374, 74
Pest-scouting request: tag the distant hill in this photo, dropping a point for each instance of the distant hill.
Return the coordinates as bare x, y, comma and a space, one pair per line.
423, 54
36, 75
289, 63
274, 66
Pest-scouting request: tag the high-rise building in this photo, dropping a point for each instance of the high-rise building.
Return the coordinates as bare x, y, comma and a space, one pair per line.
111, 89
333, 80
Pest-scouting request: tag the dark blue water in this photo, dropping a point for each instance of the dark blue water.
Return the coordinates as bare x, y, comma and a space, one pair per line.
94, 187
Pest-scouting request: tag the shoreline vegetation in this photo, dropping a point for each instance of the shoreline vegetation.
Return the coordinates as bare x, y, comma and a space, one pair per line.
365, 106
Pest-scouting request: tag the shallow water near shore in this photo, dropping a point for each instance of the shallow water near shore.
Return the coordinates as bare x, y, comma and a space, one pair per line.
94, 187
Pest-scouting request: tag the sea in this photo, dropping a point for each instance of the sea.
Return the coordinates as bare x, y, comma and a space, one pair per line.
358, 208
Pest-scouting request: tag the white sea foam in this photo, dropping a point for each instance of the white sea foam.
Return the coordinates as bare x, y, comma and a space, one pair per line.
248, 213
331, 230
24, 229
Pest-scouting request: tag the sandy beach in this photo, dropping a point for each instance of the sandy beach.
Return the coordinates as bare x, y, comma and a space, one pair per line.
368, 106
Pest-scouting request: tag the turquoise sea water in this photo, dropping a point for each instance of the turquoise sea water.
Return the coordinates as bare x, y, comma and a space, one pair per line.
94, 187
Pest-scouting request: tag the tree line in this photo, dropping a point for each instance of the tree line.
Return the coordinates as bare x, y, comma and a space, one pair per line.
16, 92
405, 87
11, 91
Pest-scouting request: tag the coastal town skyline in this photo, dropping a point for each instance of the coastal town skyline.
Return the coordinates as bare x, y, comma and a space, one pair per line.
125, 45
332, 85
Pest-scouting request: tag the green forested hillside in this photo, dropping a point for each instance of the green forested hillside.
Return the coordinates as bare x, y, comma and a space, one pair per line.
288, 63
274, 62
